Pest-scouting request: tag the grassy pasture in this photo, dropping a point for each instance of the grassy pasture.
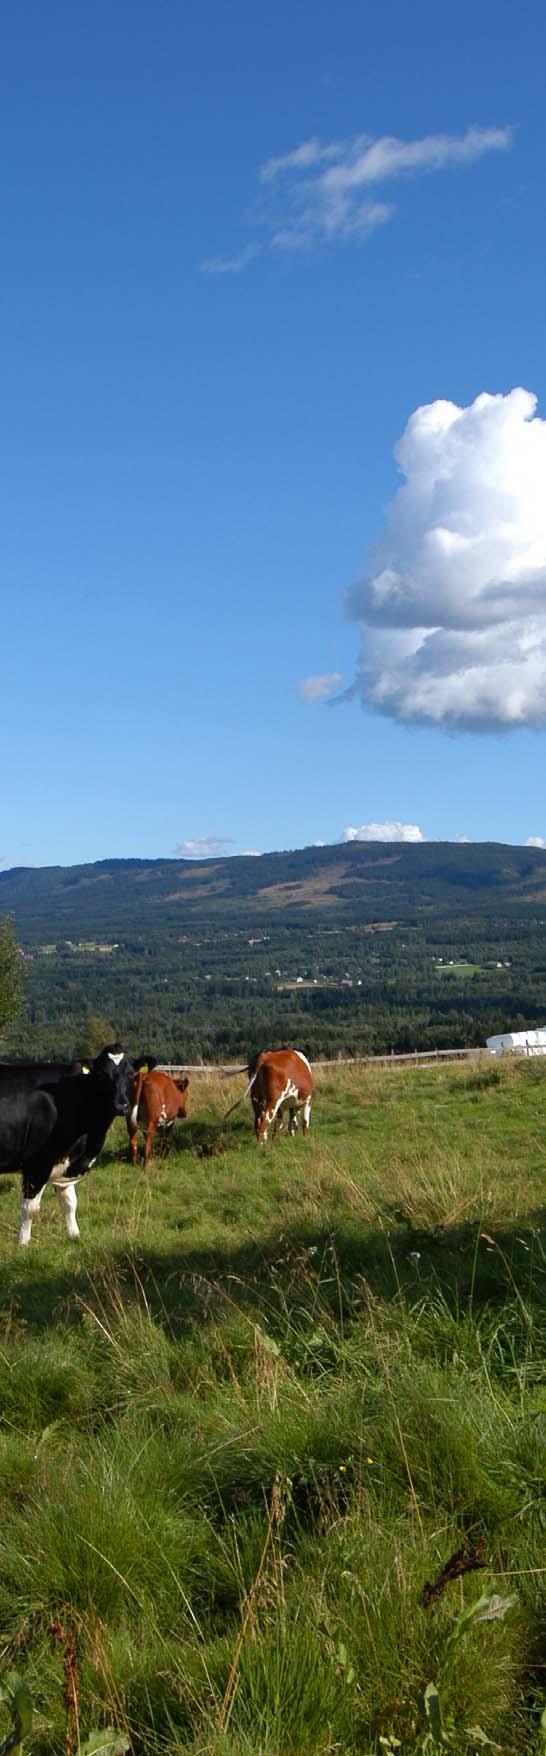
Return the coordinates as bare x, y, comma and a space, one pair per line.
260, 1406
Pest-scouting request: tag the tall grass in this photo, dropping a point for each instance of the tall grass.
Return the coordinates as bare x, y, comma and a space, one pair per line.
258, 1408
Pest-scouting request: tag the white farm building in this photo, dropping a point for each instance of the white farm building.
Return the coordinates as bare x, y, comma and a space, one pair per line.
518, 1042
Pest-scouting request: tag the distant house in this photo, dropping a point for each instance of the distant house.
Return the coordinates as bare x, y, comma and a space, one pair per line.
518, 1042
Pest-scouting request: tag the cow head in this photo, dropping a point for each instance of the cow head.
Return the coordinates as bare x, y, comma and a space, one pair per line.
115, 1071
182, 1087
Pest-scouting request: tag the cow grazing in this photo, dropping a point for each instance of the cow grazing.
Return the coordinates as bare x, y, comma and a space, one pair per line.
54, 1132
156, 1102
279, 1079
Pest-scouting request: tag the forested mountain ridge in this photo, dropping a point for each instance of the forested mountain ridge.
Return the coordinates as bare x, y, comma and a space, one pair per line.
354, 948
357, 879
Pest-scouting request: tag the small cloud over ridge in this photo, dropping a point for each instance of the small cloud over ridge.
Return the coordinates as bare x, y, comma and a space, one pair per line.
389, 831
202, 847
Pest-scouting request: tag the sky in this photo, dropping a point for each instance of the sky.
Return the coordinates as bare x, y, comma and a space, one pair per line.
273, 425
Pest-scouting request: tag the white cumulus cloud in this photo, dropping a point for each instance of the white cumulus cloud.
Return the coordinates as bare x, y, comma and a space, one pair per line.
384, 832
320, 191
535, 841
316, 688
202, 847
453, 607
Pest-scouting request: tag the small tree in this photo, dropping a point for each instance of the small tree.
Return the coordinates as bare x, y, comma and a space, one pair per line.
95, 1035
11, 974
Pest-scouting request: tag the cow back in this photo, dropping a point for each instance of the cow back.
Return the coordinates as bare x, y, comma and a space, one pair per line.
37, 1073
156, 1095
272, 1069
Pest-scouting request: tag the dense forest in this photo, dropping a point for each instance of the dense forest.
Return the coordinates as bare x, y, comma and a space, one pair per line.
351, 949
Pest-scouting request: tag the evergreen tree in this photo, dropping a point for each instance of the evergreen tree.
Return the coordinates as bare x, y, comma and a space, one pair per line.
11, 974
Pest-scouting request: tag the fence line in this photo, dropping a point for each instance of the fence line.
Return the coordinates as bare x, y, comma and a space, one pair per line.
412, 1056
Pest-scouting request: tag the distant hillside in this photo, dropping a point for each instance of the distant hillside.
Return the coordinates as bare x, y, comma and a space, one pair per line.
357, 948
359, 881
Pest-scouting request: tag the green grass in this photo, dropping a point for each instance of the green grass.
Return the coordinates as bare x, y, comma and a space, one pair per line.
459, 969
262, 1403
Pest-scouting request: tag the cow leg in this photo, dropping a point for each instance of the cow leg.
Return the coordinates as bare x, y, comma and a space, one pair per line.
148, 1143
293, 1123
133, 1142
164, 1138
132, 1130
69, 1201
133, 1148
30, 1206
306, 1115
269, 1116
266, 1119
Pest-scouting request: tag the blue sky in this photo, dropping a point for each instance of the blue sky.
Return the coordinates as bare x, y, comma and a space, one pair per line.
211, 344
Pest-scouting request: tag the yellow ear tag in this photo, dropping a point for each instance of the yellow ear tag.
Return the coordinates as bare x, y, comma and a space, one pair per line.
86, 1069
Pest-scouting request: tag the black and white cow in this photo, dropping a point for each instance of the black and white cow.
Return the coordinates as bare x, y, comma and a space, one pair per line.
54, 1132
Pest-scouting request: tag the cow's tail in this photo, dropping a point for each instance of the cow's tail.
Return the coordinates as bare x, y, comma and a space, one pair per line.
244, 1094
136, 1095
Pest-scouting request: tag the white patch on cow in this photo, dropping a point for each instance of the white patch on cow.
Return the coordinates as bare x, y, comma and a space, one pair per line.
270, 1114
115, 1058
69, 1201
57, 1172
162, 1119
302, 1057
29, 1208
134, 1116
306, 1114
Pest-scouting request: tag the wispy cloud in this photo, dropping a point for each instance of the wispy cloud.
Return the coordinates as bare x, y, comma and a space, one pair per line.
319, 192
232, 264
203, 847
317, 688
535, 841
303, 158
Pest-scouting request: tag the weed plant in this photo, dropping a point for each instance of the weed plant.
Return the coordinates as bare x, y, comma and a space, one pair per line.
250, 1417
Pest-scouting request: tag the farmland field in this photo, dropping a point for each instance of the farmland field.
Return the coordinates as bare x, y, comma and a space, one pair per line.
261, 1405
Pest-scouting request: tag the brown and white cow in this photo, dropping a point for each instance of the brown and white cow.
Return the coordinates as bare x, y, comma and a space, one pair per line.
279, 1079
156, 1102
